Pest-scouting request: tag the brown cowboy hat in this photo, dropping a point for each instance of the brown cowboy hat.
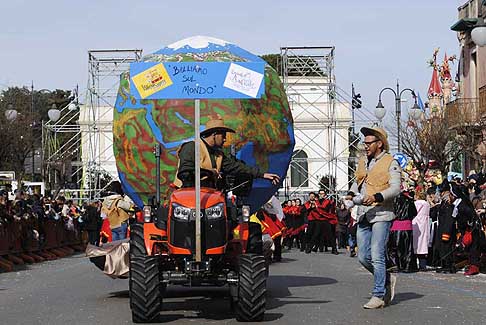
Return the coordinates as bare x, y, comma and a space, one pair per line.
379, 133
215, 124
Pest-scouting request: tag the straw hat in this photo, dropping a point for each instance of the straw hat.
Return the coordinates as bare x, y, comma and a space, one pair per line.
379, 133
215, 124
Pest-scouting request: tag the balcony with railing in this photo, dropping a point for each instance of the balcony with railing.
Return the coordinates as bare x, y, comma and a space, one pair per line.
482, 99
467, 16
465, 112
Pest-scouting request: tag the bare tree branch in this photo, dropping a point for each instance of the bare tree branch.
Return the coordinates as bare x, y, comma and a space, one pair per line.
441, 138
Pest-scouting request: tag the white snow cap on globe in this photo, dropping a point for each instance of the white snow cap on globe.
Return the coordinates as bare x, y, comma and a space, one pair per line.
197, 42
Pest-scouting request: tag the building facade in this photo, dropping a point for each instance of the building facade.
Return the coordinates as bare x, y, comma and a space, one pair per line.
470, 105
321, 128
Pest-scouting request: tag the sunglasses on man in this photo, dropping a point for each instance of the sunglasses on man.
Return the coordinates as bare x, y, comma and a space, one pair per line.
369, 143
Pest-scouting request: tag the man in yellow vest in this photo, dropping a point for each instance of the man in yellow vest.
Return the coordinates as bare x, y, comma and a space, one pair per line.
213, 160
376, 186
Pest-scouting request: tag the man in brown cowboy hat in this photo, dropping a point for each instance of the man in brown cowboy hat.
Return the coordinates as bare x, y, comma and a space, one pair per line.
213, 160
376, 186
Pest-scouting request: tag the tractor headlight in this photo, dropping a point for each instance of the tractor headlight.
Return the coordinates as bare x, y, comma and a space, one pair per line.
147, 213
214, 212
180, 212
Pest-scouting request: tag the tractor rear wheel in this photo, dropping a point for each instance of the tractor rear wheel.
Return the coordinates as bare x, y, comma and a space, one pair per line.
250, 306
145, 297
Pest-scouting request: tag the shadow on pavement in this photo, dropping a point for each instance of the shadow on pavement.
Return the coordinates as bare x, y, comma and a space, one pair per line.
22, 267
208, 302
175, 317
278, 288
285, 260
404, 296
298, 281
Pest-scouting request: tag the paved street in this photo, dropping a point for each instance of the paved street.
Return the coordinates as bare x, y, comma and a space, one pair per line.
311, 289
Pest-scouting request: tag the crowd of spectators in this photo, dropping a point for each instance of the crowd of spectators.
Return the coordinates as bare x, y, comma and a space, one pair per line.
28, 216
437, 227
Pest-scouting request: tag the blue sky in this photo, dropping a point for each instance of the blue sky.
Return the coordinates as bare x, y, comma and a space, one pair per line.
376, 41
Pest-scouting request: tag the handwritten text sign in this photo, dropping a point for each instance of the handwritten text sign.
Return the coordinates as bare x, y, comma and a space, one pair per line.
197, 80
243, 80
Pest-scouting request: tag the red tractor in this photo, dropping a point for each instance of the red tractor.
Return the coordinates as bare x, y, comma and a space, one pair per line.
163, 251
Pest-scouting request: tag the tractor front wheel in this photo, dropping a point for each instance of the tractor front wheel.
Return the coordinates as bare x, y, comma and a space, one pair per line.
250, 306
145, 296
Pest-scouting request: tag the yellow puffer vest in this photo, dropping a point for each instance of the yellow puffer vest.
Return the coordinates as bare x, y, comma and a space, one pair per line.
378, 178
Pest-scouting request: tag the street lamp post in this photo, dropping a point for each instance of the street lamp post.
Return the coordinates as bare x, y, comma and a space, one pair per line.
32, 129
11, 114
53, 113
380, 109
478, 33
33, 123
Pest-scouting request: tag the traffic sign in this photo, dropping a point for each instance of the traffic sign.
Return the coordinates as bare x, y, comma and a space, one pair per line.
401, 159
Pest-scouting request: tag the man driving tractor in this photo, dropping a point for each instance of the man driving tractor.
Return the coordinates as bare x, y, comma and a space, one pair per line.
213, 161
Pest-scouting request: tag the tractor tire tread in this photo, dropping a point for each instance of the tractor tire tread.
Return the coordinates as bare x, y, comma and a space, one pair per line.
145, 299
250, 306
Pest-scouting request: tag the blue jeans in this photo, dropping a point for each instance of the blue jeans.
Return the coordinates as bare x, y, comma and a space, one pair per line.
352, 236
372, 239
351, 242
119, 233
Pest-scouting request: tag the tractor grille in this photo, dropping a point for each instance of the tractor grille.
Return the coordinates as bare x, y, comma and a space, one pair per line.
183, 233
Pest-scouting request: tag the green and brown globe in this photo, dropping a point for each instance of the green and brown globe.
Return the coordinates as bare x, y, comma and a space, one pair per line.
264, 127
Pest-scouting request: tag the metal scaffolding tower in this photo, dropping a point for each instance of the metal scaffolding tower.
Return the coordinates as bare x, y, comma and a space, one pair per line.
324, 124
85, 156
